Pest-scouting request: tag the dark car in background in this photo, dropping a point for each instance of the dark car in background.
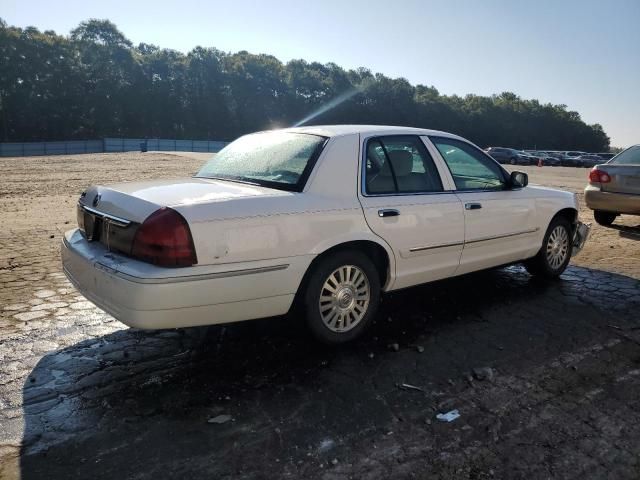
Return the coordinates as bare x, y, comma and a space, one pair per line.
529, 158
572, 159
574, 154
556, 155
509, 155
606, 156
547, 159
532, 157
591, 159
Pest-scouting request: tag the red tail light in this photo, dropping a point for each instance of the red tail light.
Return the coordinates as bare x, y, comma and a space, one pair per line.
164, 239
599, 176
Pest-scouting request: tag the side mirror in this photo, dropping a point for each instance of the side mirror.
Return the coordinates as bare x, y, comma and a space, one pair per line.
519, 179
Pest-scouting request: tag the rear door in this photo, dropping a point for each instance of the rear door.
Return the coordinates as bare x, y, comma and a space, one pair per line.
500, 223
407, 203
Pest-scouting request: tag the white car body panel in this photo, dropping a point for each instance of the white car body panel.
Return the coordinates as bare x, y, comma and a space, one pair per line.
145, 296
255, 244
504, 230
427, 237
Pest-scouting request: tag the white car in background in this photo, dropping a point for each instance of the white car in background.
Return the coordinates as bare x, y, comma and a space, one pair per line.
326, 217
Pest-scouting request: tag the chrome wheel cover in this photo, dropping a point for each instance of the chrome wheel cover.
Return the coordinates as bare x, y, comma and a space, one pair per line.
557, 247
344, 298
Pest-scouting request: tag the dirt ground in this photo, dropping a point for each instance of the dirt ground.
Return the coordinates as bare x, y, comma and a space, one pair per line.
545, 376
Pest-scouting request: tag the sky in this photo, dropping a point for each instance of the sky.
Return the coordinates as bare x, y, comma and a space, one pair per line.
584, 54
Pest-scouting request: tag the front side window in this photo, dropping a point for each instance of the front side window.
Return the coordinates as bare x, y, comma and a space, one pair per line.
631, 156
470, 168
274, 159
399, 164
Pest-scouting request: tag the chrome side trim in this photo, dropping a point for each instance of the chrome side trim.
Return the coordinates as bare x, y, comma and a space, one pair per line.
407, 194
477, 240
121, 222
197, 278
431, 247
506, 235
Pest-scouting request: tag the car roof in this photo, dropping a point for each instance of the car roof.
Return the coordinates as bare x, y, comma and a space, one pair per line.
341, 130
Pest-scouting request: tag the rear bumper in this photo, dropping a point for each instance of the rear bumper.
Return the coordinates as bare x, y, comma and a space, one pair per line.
170, 299
611, 202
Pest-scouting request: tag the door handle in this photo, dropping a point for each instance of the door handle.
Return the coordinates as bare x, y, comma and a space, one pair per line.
472, 206
388, 212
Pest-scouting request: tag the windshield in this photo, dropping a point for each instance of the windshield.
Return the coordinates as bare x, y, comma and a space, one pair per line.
631, 156
273, 159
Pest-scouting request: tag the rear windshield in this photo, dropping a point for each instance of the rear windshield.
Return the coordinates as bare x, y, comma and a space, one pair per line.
280, 160
631, 156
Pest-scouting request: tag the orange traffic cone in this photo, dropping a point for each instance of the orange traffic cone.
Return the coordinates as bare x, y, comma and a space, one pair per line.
539, 162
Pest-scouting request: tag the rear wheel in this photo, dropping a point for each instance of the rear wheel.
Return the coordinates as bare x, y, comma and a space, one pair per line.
554, 256
604, 218
513, 161
342, 297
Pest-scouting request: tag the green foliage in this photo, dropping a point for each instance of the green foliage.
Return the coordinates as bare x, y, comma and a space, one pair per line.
95, 83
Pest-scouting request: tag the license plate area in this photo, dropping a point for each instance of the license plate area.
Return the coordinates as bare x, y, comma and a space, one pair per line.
113, 232
92, 226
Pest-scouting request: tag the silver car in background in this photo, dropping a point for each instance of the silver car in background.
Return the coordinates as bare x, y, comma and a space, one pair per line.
614, 187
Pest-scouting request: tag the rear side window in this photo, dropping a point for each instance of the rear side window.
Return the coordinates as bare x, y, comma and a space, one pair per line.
471, 169
399, 164
631, 156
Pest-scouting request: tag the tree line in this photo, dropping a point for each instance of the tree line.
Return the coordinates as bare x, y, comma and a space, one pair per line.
94, 83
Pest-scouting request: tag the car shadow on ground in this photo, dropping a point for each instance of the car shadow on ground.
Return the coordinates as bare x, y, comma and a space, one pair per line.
262, 399
630, 232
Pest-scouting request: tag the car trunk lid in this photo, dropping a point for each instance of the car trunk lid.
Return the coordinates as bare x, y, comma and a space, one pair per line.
112, 214
624, 178
135, 201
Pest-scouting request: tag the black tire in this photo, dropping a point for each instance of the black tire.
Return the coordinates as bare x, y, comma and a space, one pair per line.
315, 288
541, 265
604, 218
513, 161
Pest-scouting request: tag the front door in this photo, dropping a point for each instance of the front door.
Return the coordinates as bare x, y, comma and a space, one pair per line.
500, 222
406, 203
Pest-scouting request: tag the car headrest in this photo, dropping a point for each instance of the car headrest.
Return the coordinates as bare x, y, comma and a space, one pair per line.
402, 161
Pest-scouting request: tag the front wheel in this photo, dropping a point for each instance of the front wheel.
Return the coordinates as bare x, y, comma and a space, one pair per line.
342, 297
604, 218
554, 256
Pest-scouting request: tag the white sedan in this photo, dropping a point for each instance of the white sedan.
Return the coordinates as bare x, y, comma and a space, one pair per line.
327, 218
